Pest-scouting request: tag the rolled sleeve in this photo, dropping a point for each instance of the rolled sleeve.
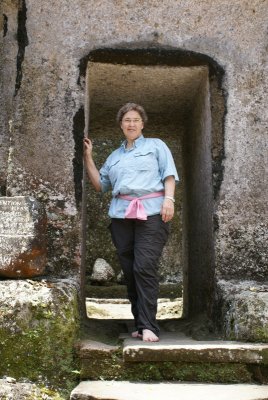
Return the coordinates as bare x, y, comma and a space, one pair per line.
104, 179
166, 163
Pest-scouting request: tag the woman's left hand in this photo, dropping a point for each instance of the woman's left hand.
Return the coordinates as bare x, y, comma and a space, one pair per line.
167, 210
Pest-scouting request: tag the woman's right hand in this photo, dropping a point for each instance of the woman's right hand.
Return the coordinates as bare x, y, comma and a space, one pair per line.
88, 147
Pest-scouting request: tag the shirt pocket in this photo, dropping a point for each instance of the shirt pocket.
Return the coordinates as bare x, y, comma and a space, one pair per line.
144, 161
114, 171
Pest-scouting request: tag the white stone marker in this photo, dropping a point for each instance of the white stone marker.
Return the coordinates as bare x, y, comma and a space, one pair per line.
22, 237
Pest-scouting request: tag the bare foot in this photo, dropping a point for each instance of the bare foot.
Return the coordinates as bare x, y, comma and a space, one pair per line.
149, 336
136, 335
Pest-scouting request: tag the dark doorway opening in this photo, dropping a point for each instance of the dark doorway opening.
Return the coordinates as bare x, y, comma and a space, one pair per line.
181, 92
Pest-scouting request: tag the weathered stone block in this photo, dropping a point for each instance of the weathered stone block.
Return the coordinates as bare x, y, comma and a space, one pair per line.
132, 390
176, 357
38, 329
22, 237
196, 352
115, 369
102, 271
10, 389
243, 310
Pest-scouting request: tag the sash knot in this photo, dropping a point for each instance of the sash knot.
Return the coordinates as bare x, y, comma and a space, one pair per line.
135, 208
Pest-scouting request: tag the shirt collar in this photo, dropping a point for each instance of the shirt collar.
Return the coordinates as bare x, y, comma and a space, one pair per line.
137, 142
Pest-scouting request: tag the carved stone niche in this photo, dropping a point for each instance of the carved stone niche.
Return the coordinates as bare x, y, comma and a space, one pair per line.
23, 246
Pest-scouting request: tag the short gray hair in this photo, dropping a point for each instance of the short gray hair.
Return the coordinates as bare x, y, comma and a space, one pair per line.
131, 107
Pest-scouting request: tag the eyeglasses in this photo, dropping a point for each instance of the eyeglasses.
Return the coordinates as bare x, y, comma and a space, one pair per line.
128, 121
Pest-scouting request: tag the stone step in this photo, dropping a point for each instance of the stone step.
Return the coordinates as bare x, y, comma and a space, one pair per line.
111, 390
184, 349
175, 357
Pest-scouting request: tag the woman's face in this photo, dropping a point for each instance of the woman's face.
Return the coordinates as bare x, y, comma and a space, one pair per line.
132, 125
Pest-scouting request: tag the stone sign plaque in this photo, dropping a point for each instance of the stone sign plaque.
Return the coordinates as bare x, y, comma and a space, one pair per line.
22, 237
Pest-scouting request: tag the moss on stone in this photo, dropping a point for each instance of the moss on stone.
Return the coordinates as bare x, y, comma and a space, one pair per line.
114, 368
92, 310
41, 393
243, 307
260, 334
265, 357
99, 243
26, 390
43, 352
40, 346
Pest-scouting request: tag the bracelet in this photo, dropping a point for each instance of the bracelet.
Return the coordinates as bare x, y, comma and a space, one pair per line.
170, 198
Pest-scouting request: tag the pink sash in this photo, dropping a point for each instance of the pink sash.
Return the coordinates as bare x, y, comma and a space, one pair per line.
135, 208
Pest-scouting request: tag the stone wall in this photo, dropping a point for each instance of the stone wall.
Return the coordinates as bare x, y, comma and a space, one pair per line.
44, 49
51, 42
199, 256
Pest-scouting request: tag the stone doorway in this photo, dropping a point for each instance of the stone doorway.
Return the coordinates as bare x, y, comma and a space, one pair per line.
177, 94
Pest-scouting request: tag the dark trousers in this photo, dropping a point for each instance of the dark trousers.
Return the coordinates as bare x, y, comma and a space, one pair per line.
139, 245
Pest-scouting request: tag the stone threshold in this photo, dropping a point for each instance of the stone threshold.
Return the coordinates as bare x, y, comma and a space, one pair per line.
175, 358
180, 348
96, 390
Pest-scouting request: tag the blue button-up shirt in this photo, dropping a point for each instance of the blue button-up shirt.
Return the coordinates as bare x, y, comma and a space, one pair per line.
136, 172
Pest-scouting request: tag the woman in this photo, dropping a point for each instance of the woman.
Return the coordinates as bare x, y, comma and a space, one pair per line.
141, 174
